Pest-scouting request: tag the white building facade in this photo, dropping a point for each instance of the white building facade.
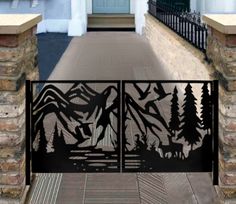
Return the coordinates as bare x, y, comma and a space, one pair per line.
70, 16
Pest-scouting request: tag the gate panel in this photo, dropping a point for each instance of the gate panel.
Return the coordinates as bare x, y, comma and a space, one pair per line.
76, 127
167, 127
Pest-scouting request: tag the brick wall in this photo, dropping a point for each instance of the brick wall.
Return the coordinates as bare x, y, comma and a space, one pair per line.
180, 58
18, 62
222, 51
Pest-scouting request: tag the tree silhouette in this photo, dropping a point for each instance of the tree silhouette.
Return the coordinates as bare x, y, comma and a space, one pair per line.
145, 141
42, 141
206, 112
190, 119
174, 120
153, 147
58, 141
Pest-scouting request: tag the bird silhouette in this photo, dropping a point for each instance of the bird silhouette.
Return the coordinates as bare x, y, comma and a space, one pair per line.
160, 91
143, 94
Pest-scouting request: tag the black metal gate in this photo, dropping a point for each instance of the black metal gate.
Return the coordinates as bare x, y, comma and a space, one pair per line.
122, 126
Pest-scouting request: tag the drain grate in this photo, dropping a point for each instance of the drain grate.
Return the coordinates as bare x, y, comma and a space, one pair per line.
45, 189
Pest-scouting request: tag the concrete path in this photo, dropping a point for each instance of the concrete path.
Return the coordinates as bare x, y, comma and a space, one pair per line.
117, 56
109, 56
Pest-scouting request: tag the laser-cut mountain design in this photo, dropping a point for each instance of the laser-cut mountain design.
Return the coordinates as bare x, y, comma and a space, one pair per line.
80, 119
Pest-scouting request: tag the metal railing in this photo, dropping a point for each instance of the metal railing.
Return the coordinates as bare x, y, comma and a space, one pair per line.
186, 24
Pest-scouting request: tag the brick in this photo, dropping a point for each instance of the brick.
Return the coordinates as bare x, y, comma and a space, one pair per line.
11, 139
227, 110
227, 138
10, 69
15, 40
227, 164
18, 53
7, 152
13, 84
11, 178
7, 98
226, 96
12, 192
227, 192
227, 151
12, 124
12, 110
226, 40
228, 123
228, 179
12, 164
224, 58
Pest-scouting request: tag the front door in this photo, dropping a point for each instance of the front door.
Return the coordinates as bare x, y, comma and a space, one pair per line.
111, 6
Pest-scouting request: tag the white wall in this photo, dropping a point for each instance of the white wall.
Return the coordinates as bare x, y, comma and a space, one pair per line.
214, 6
56, 13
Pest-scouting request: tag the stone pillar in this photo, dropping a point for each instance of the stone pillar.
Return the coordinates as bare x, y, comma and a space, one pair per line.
221, 51
18, 62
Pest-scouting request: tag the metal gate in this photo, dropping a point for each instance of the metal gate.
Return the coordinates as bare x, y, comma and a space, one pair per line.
122, 126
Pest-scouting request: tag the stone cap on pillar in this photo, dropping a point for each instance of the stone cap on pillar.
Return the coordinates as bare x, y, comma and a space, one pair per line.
224, 23
18, 23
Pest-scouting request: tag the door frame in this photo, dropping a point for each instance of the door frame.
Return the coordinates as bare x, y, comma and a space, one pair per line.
113, 13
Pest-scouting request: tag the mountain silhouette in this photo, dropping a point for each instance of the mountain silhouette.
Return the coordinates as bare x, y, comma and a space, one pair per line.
79, 105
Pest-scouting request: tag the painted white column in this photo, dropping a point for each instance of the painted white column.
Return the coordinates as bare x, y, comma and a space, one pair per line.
203, 7
230, 6
89, 4
132, 6
141, 8
220, 6
193, 4
78, 22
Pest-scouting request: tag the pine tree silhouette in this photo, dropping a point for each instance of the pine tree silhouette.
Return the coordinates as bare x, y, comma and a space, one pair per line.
42, 141
58, 141
206, 112
174, 120
190, 119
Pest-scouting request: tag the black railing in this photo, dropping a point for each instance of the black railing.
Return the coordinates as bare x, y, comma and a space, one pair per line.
186, 24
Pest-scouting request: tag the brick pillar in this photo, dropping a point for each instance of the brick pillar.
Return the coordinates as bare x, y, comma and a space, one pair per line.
221, 51
18, 62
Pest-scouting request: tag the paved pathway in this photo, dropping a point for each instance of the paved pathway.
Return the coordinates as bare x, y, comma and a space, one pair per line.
100, 56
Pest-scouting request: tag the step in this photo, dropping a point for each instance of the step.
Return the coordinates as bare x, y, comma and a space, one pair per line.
111, 21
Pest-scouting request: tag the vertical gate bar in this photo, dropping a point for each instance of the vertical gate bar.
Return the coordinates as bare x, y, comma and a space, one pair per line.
216, 133
28, 131
123, 123
120, 124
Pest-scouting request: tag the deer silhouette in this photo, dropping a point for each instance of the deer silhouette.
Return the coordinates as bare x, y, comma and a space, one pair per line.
166, 150
176, 148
